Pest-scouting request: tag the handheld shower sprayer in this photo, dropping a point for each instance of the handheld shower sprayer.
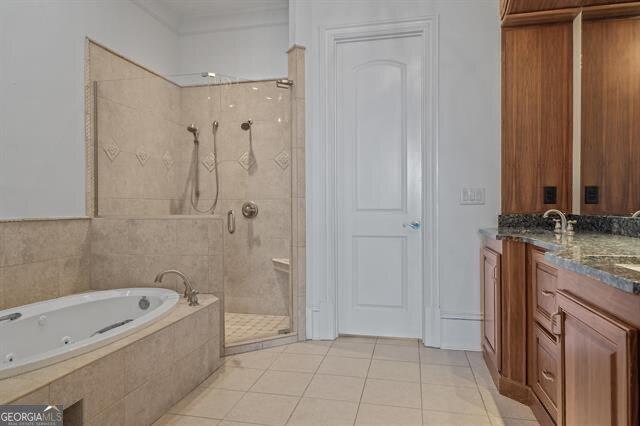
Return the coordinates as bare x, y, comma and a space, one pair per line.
195, 192
192, 128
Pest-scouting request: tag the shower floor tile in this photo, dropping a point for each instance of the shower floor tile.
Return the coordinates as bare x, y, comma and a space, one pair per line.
245, 327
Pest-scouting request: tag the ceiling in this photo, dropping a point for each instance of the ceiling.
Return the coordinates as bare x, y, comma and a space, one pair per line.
184, 10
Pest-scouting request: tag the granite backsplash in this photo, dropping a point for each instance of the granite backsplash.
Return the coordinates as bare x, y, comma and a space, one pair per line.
617, 225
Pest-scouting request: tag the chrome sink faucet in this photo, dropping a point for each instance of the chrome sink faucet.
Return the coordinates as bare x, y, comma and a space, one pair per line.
563, 219
190, 293
636, 215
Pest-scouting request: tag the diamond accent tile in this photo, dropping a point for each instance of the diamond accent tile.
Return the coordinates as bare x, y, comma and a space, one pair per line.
112, 150
247, 160
142, 156
167, 160
209, 162
282, 160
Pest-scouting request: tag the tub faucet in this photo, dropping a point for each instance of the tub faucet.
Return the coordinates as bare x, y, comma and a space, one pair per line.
563, 218
636, 215
190, 293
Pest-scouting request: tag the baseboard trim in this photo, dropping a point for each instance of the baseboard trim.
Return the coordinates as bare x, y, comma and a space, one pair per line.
460, 333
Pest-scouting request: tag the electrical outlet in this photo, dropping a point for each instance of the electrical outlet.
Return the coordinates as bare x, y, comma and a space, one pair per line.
591, 195
550, 195
472, 196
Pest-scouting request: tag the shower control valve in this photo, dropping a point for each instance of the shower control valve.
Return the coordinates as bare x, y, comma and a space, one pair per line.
250, 209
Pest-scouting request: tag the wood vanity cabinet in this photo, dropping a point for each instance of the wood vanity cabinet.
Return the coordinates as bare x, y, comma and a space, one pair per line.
490, 281
597, 366
574, 337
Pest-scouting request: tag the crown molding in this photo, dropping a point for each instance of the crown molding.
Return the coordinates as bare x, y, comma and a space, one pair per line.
258, 18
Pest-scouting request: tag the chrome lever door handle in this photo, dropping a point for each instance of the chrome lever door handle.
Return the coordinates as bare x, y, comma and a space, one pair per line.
412, 225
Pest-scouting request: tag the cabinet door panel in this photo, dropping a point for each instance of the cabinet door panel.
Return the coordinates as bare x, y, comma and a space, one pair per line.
490, 276
598, 354
536, 116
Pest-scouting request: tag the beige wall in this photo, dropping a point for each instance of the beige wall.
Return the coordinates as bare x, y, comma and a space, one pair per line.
43, 259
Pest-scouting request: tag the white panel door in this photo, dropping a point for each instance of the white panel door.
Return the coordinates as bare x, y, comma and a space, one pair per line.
379, 156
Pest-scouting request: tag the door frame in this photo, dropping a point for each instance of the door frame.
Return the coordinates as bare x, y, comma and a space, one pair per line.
323, 272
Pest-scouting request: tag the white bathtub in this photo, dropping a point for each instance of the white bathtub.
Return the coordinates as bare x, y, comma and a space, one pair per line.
54, 330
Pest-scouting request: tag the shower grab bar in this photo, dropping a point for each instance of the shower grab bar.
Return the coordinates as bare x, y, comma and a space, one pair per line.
11, 317
231, 222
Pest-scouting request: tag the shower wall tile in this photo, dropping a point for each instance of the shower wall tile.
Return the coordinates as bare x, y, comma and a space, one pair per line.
42, 259
298, 206
192, 236
138, 111
129, 252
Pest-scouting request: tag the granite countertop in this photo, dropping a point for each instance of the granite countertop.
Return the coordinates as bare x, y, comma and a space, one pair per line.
594, 254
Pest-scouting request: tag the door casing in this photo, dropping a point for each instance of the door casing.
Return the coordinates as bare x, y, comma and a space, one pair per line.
322, 291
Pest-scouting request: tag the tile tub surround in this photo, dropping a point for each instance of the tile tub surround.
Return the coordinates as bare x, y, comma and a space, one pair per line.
43, 259
585, 253
131, 251
353, 380
134, 380
617, 225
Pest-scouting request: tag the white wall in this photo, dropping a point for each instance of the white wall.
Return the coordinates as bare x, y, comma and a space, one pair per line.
468, 143
42, 164
249, 46
42, 155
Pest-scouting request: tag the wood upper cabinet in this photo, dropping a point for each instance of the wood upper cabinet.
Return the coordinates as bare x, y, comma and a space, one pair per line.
610, 153
511, 7
598, 385
537, 69
490, 281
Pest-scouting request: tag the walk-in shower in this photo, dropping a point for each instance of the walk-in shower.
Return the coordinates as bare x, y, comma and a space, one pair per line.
188, 149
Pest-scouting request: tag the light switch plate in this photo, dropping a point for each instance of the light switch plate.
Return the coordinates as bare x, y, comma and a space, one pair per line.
473, 196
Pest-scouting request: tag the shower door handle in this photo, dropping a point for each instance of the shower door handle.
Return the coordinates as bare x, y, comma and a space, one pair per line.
231, 222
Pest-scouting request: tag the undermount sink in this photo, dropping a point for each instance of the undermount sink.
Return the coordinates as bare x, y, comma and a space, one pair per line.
632, 266
631, 262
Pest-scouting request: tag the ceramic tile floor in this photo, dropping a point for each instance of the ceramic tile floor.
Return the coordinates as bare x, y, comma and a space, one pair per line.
246, 327
353, 380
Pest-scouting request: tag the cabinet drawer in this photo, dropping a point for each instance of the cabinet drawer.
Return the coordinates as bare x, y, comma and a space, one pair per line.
546, 370
545, 284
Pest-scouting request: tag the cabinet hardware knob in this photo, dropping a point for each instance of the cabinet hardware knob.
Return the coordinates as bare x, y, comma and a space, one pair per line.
547, 375
548, 293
